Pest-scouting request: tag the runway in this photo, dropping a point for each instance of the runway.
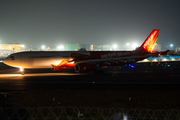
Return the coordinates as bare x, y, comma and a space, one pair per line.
11, 80
18, 82
142, 84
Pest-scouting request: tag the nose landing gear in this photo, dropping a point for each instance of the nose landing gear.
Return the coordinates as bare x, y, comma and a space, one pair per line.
22, 70
23, 73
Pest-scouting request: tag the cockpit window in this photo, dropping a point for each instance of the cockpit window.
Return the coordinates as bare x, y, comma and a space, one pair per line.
11, 56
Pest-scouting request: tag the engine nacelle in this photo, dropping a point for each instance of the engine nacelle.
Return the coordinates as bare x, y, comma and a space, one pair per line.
85, 67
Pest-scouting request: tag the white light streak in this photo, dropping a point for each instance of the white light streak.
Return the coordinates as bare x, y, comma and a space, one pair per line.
21, 69
145, 60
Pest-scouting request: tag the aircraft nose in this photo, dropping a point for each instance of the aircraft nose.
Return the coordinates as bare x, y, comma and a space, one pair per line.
6, 61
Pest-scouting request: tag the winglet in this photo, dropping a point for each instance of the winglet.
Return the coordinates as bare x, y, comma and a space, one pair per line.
150, 42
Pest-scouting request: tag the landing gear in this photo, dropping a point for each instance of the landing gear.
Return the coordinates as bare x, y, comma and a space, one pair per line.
22, 71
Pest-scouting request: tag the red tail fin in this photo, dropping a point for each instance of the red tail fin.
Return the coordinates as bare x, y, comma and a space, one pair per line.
150, 42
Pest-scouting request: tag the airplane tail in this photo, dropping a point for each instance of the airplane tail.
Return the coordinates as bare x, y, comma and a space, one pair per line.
149, 43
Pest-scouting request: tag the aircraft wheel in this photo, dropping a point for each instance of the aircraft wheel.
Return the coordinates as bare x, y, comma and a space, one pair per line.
52, 69
23, 72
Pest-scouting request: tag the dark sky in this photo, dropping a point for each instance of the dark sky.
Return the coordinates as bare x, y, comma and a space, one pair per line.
55, 22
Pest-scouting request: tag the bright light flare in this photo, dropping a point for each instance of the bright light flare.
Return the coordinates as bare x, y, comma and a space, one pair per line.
164, 59
71, 62
114, 46
21, 69
43, 47
134, 46
61, 47
125, 117
145, 60
132, 66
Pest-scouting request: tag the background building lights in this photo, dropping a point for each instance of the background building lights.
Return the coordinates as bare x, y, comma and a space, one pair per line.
134, 46
43, 47
61, 47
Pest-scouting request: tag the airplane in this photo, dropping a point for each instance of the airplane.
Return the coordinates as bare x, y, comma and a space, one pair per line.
82, 61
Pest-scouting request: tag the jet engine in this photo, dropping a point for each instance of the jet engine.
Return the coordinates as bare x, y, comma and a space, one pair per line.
85, 67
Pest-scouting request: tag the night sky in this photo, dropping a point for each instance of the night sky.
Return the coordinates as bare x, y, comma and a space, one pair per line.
55, 22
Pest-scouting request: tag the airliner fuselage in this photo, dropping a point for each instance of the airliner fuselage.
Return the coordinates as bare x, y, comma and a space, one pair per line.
82, 61
45, 59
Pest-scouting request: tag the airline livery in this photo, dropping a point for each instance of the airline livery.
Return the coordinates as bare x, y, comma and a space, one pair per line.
82, 61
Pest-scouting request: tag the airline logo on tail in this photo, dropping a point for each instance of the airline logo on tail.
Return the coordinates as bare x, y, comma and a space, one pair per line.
150, 42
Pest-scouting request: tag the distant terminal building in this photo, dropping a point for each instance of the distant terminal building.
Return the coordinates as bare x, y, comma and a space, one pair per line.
7, 49
88, 47
100, 47
128, 47
13, 47
157, 47
131, 47
75, 47
97, 47
71, 47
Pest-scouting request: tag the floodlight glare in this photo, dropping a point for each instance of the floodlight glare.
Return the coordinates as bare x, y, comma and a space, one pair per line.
61, 47
134, 45
114, 46
43, 47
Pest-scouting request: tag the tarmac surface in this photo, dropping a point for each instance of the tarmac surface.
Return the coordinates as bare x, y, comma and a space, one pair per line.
154, 86
114, 78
